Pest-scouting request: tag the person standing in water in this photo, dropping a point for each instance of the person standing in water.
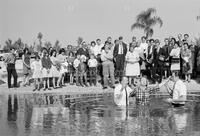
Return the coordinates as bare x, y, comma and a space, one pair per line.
122, 93
178, 92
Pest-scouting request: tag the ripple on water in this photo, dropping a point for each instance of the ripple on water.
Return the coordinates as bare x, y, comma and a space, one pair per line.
51, 114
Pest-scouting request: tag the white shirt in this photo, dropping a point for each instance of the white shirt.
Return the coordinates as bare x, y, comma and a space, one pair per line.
122, 100
92, 63
105, 56
143, 47
76, 63
36, 65
179, 89
175, 52
96, 49
120, 49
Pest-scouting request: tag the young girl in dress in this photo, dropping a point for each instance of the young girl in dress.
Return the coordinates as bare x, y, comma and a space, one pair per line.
26, 66
71, 59
132, 64
36, 67
46, 69
175, 60
62, 58
55, 68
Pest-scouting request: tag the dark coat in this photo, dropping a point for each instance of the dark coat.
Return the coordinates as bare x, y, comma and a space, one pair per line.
116, 50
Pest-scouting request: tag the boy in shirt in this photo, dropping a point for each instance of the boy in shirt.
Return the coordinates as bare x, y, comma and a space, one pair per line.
92, 63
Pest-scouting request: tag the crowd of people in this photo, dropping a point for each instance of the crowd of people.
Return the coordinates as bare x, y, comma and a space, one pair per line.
106, 62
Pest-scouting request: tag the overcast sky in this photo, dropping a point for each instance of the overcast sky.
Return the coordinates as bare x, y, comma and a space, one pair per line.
65, 20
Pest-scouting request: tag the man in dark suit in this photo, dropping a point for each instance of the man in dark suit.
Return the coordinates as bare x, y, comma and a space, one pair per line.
119, 54
83, 50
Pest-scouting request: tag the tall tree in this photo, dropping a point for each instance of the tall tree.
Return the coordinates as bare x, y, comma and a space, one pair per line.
57, 46
79, 41
39, 36
146, 20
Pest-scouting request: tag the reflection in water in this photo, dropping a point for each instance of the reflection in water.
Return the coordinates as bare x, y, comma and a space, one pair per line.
12, 114
48, 114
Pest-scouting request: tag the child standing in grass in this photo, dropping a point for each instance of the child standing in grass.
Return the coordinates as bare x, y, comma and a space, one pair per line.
92, 63
36, 66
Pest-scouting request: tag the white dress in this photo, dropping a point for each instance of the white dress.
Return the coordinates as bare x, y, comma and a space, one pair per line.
55, 72
120, 96
64, 64
132, 69
175, 53
36, 66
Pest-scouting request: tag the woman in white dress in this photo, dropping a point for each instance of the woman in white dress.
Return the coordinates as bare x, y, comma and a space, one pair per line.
175, 54
62, 58
55, 68
132, 63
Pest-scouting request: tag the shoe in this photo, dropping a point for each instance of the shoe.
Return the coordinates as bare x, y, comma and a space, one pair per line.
105, 88
113, 87
44, 89
34, 89
49, 88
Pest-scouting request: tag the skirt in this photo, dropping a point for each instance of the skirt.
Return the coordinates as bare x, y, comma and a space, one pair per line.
64, 68
37, 74
175, 67
46, 73
132, 69
71, 69
55, 71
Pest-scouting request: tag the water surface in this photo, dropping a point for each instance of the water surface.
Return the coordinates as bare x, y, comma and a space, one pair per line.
93, 115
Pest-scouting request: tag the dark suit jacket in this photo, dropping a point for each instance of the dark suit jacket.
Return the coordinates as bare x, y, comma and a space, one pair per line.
116, 49
85, 52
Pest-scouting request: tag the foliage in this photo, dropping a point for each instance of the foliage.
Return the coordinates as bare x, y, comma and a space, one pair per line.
79, 41
146, 21
47, 45
57, 46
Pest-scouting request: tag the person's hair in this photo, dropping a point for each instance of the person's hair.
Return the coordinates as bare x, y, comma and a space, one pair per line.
69, 46
143, 37
93, 42
173, 39
186, 35
71, 52
176, 43
44, 49
52, 51
25, 49
98, 39
185, 43
61, 50
37, 56
120, 38
92, 55
11, 48
151, 40
107, 42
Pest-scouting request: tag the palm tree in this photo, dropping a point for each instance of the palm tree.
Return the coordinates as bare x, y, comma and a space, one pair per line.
40, 35
146, 21
57, 46
79, 41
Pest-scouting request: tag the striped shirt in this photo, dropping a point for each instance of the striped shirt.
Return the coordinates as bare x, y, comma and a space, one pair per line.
10, 58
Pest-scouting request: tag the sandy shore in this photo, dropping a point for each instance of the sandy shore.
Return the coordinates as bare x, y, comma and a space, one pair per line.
193, 87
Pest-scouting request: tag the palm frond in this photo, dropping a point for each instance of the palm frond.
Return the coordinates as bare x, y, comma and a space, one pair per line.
138, 26
158, 20
145, 15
